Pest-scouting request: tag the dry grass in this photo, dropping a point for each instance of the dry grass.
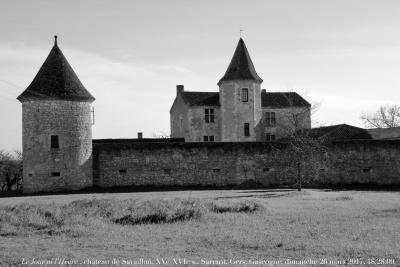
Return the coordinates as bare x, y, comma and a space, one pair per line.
313, 224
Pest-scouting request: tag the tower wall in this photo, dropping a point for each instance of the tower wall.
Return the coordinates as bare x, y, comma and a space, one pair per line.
68, 167
235, 113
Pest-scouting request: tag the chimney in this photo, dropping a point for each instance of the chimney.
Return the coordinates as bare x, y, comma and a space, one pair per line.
179, 89
140, 135
263, 91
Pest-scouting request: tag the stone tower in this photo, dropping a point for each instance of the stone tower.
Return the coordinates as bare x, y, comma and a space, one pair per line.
57, 128
240, 98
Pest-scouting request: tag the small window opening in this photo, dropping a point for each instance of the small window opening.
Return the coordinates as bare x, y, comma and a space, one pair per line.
245, 94
30, 174
367, 170
209, 115
266, 169
55, 174
54, 141
216, 170
270, 137
247, 129
122, 171
270, 119
167, 171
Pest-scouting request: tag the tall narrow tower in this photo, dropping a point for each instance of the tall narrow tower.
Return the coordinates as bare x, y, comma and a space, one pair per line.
57, 129
240, 98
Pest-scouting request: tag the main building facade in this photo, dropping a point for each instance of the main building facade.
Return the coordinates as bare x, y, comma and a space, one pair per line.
241, 111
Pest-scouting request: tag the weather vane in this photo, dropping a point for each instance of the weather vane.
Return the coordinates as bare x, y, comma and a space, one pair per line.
241, 32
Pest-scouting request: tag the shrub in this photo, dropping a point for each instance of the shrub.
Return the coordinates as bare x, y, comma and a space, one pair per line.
154, 212
225, 206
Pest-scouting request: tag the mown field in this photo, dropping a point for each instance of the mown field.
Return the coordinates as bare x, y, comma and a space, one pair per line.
213, 228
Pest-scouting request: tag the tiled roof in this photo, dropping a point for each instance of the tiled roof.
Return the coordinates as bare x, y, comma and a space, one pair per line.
274, 100
201, 98
56, 80
340, 132
241, 66
282, 100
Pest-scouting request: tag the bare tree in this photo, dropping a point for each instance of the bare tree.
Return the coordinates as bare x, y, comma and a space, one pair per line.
10, 170
305, 152
306, 155
387, 116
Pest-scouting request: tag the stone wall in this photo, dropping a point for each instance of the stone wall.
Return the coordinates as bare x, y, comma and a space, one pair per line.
179, 119
224, 164
288, 120
363, 162
68, 167
234, 112
198, 128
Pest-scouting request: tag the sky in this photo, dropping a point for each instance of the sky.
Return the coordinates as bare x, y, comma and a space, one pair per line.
342, 54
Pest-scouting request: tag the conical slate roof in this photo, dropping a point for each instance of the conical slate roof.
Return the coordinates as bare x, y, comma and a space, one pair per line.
56, 80
241, 66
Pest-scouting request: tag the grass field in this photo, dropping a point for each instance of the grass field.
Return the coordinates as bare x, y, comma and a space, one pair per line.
236, 227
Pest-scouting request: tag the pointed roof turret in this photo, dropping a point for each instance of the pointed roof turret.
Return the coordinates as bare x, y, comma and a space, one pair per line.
56, 80
241, 66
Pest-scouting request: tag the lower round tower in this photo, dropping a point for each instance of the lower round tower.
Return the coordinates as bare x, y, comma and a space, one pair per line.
57, 129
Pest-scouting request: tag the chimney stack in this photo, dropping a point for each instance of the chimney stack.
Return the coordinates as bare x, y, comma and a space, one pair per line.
179, 89
140, 135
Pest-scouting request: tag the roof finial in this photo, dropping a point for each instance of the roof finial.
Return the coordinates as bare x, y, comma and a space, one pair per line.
55, 40
240, 33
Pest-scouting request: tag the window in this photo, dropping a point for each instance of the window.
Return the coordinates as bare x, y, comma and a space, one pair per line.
55, 174
247, 129
209, 115
54, 142
269, 137
245, 94
216, 170
208, 138
122, 171
167, 171
367, 170
266, 169
270, 118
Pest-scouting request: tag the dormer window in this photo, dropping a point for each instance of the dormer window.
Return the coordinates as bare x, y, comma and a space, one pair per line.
245, 94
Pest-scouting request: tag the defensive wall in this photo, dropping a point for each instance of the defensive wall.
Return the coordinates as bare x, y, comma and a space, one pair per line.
176, 163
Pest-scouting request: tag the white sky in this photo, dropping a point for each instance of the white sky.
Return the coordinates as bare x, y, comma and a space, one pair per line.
344, 54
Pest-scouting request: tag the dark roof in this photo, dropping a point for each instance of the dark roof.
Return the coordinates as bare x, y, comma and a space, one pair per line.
385, 133
201, 98
282, 100
275, 100
241, 66
56, 80
340, 132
